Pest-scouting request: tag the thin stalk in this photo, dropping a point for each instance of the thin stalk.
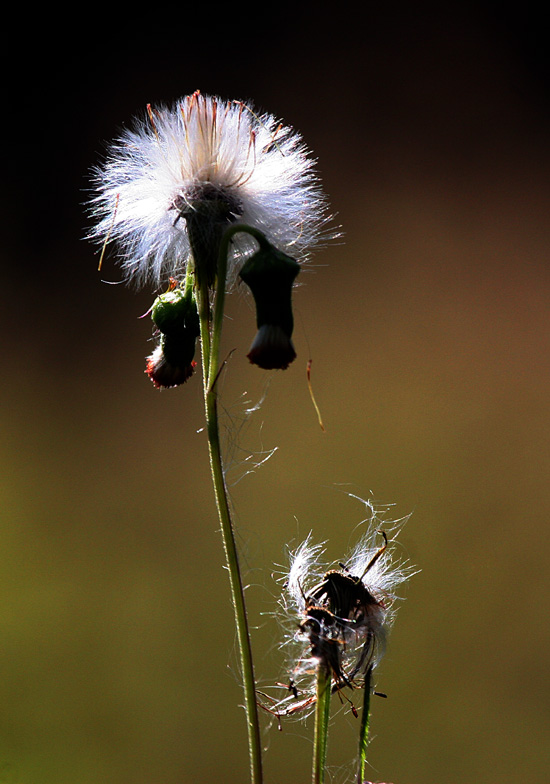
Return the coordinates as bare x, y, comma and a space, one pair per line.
211, 327
322, 713
364, 729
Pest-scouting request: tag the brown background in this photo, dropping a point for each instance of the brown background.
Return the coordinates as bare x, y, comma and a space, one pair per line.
428, 330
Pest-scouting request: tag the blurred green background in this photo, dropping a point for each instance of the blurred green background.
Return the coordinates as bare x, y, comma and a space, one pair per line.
428, 327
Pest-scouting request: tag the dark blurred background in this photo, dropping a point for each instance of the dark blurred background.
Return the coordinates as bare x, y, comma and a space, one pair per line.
428, 327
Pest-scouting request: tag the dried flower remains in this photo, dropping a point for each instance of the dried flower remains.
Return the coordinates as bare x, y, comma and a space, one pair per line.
339, 618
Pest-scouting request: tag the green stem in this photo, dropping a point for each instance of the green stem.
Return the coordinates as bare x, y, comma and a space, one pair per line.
210, 342
364, 729
322, 712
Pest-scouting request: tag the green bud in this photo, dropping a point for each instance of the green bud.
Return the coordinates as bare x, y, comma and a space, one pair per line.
175, 312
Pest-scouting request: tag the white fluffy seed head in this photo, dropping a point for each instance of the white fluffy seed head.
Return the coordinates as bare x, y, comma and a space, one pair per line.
177, 157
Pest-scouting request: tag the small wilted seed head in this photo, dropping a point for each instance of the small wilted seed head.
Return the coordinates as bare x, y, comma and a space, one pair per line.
339, 618
183, 174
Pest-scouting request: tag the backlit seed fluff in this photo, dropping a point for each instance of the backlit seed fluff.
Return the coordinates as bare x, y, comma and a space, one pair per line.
339, 617
179, 161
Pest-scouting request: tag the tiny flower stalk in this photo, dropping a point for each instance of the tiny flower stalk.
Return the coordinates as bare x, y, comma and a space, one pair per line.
364, 728
322, 716
270, 274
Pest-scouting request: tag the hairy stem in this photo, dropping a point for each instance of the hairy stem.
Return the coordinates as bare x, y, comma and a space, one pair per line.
211, 327
364, 729
322, 712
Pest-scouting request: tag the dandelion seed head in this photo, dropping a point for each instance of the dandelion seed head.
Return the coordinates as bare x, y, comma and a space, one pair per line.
204, 156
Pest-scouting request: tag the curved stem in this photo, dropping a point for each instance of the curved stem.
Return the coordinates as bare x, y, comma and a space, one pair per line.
210, 342
322, 711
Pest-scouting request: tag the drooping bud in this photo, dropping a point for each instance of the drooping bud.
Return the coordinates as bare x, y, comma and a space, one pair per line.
174, 313
163, 373
269, 274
